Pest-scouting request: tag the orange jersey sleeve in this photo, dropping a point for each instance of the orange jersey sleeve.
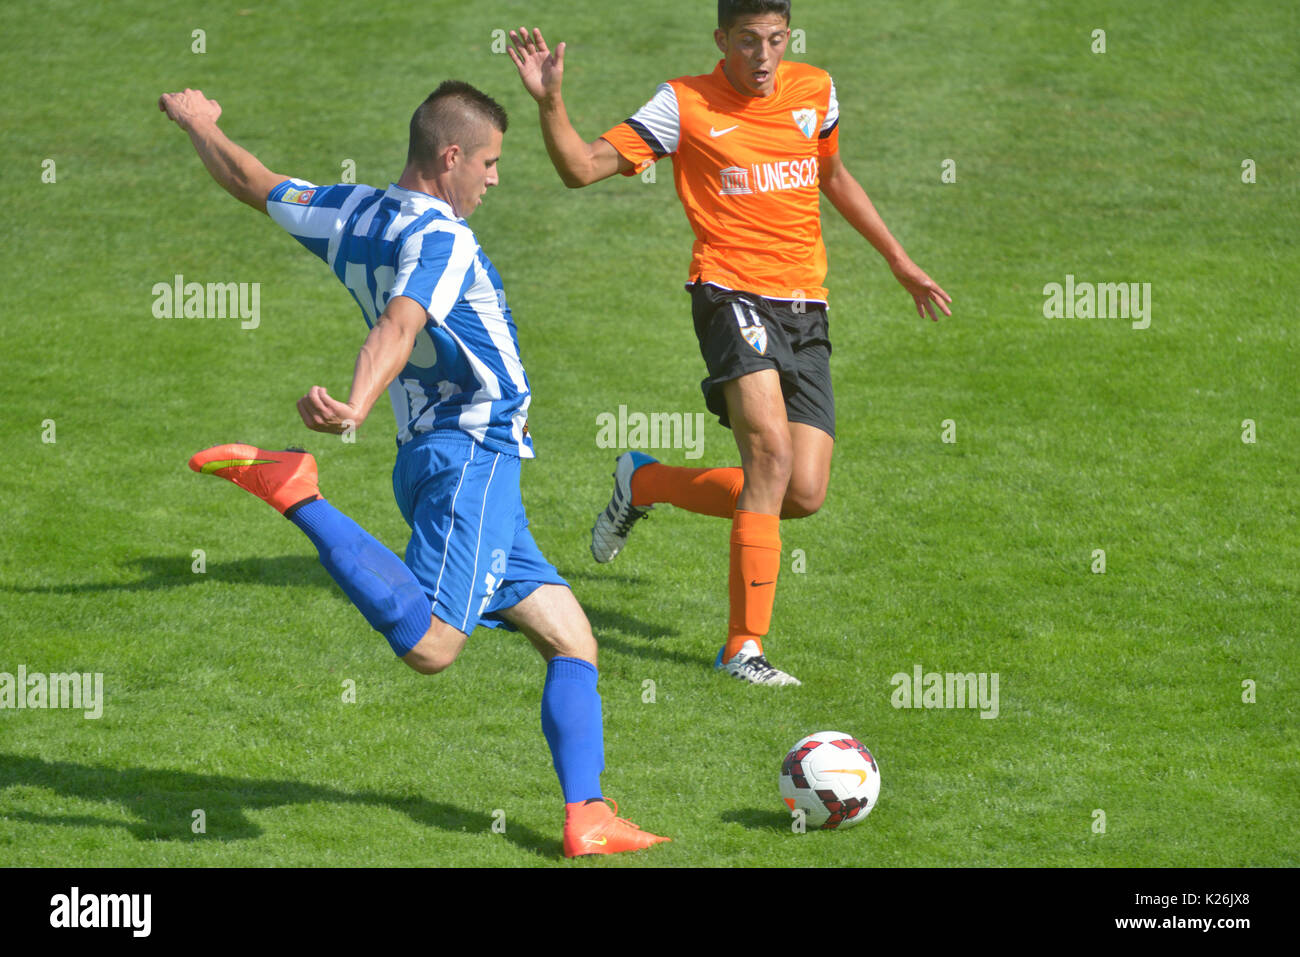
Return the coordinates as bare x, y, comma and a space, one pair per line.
631, 147
747, 172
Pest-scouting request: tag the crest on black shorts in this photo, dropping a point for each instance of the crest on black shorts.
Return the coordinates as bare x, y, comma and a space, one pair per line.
751, 326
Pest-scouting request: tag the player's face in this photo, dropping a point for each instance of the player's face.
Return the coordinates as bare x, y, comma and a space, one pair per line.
752, 50
473, 173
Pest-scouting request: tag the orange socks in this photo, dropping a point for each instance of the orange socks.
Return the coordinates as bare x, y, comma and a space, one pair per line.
755, 539
706, 491
755, 562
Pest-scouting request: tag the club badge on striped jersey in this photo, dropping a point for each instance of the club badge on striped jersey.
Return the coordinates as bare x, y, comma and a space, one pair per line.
806, 120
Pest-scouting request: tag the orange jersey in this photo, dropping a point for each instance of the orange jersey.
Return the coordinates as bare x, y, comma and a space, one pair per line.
746, 170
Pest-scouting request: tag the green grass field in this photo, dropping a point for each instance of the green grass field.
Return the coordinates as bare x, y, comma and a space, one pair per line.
1120, 692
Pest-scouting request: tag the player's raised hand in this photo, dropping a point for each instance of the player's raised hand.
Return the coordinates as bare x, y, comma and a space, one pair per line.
322, 413
540, 70
189, 107
925, 291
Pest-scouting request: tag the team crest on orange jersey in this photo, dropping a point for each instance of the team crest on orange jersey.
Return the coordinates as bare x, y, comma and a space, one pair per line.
806, 120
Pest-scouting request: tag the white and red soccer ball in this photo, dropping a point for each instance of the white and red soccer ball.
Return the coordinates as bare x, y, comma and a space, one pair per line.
832, 778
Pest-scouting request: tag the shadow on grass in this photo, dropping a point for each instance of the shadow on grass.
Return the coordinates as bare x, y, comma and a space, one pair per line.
760, 820
601, 577
603, 621
176, 571
162, 802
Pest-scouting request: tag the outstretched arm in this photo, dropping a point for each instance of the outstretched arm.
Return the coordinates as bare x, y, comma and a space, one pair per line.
383, 355
578, 162
847, 195
238, 171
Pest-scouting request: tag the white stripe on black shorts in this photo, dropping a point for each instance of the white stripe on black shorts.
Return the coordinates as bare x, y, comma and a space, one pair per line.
741, 332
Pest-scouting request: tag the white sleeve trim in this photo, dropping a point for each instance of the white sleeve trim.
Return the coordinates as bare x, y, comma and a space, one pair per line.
832, 111
662, 118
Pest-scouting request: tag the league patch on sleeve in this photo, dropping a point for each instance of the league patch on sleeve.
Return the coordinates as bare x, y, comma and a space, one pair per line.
300, 196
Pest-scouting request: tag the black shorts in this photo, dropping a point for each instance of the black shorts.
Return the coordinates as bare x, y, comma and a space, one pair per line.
740, 333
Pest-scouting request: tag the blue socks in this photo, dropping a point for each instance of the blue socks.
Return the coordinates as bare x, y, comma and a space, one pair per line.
378, 582
573, 726
387, 593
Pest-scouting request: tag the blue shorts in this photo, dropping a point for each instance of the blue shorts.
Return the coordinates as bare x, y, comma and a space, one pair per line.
470, 546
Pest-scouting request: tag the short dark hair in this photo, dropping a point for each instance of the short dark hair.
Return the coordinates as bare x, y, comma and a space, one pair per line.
455, 113
729, 11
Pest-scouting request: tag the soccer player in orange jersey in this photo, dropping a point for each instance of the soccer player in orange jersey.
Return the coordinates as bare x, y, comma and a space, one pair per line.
752, 144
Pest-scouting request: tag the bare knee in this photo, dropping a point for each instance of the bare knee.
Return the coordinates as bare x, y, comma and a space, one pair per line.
555, 623
802, 501
582, 645
438, 648
771, 456
427, 662
570, 638
768, 460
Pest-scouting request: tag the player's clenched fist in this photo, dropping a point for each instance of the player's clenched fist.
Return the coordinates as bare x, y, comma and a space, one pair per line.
321, 413
189, 107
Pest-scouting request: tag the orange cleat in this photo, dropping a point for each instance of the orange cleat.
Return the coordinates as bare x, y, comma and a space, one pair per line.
595, 829
280, 479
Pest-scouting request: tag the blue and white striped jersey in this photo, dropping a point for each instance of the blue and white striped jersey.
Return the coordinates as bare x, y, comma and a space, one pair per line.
464, 372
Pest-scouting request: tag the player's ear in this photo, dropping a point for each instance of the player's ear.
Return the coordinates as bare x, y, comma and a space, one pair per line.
720, 38
451, 156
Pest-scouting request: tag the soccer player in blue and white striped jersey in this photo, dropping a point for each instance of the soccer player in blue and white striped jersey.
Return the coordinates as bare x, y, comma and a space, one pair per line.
443, 344
464, 371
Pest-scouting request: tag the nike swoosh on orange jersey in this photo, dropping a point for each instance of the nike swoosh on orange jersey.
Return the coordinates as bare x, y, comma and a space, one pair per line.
862, 775
716, 133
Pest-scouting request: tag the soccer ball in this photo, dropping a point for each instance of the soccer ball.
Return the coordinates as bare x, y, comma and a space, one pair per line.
832, 778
